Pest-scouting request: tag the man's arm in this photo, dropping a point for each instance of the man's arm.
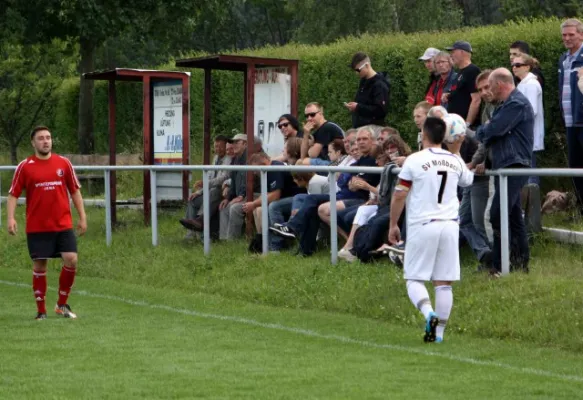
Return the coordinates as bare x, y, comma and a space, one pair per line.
314, 151
10, 210
78, 203
397, 206
506, 118
474, 108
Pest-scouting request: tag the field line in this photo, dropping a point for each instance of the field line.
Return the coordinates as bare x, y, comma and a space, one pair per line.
318, 335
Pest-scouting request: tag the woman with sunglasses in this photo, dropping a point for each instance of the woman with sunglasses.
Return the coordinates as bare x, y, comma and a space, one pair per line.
289, 127
530, 87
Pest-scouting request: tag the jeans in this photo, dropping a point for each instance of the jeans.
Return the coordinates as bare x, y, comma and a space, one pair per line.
475, 237
298, 201
575, 150
345, 218
534, 179
311, 203
480, 194
517, 229
279, 212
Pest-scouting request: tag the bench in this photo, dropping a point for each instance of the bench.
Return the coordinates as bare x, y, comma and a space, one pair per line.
100, 160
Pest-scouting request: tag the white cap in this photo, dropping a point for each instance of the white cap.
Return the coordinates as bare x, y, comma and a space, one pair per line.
429, 54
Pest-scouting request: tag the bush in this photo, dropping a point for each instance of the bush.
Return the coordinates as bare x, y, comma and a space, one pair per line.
324, 77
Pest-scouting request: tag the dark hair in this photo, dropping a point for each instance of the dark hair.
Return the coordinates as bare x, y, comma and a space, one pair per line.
485, 74
522, 46
221, 138
434, 129
390, 130
292, 120
357, 59
38, 129
338, 145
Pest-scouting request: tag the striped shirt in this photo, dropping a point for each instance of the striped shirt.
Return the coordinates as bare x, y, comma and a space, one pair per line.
567, 89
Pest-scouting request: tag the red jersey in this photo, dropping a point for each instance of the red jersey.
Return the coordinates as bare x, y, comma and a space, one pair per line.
47, 184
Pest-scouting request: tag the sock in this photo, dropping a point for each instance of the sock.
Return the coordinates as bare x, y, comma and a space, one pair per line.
39, 287
65, 283
443, 305
420, 297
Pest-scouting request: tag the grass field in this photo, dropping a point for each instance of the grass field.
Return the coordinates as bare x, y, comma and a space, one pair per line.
167, 322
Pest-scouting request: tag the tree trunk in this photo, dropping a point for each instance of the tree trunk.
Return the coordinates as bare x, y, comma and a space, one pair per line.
85, 125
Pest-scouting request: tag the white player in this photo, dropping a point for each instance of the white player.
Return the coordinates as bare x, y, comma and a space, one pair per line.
428, 183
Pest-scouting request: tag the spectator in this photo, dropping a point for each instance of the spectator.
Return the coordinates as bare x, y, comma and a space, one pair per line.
446, 78
518, 49
289, 128
230, 209
376, 211
530, 87
291, 151
509, 135
349, 138
280, 187
571, 97
194, 210
427, 59
305, 223
371, 103
464, 99
385, 133
323, 132
419, 116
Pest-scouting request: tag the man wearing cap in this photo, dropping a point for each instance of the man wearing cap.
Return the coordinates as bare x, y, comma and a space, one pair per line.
193, 221
427, 59
464, 99
371, 103
230, 209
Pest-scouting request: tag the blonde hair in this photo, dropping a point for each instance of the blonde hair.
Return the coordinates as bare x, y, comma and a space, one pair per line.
529, 61
317, 105
424, 105
572, 22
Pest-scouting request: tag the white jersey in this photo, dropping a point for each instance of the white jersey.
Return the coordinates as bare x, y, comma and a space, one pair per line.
433, 176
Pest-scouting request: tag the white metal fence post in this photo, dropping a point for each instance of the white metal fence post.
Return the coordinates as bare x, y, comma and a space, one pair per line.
333, 219
504, 236
154, 208
107, 180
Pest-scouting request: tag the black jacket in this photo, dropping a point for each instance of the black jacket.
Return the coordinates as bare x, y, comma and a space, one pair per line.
373, 101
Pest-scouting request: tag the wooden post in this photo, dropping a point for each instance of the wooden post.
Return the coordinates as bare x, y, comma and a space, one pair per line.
294, 89
112, 145
185, 135
147, 122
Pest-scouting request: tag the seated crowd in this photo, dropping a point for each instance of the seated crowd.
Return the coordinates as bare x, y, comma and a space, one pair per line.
490, 104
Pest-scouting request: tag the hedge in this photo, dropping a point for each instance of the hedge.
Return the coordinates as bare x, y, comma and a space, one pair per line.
325, 77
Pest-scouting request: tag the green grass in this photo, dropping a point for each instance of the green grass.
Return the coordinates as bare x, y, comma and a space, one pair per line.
563, 220
138, 342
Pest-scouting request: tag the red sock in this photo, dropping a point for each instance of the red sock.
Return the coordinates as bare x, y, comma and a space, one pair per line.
65, 283
39, 287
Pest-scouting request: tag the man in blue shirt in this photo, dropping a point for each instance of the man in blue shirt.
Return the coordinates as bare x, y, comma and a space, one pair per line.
571, 99
509, 137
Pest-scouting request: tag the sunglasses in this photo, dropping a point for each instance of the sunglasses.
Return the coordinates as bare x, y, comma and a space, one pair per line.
283, 125
311, 115
518, 65
361, 67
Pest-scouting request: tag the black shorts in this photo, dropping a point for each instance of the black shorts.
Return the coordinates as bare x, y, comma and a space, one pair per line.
44, 245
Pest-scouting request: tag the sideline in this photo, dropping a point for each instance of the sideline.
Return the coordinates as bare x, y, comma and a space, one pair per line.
315, 334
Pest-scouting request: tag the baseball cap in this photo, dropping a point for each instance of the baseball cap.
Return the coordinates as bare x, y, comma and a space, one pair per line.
429, 54
461, 45
238, 136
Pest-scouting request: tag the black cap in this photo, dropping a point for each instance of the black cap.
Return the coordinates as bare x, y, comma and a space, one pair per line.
461, 45
357, 59
221, 138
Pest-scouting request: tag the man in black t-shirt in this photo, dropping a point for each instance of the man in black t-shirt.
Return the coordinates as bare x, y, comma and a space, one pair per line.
323, 132
463, 99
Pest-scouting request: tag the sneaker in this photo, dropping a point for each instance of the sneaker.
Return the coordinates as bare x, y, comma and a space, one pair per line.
438, 340
65, 311
283, 230
430, 326
398, 248
192, 224
41, 315
347, 255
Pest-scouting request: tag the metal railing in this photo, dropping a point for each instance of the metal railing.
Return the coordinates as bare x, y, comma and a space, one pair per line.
263, 170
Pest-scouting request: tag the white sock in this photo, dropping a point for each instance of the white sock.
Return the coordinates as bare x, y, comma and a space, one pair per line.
443, 305
419, 297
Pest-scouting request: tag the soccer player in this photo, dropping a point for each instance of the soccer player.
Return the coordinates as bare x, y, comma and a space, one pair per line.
428, 183
48, 179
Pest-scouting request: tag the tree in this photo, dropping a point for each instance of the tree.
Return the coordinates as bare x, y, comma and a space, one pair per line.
29, 74
90, 23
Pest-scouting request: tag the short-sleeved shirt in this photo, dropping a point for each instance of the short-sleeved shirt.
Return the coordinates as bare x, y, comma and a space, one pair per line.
461, 97
326, 134
47, 184
433, 176
283, 181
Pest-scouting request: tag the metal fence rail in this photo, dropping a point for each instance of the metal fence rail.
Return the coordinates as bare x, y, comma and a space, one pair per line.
263, 170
